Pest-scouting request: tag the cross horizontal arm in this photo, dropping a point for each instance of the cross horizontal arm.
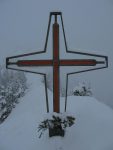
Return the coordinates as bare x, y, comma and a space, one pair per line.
80, 62
71, 62
22, 63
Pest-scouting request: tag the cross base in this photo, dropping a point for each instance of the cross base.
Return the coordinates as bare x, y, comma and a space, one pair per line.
56, 131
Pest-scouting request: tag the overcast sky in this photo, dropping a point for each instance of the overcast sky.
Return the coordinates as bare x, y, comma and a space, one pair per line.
88, 25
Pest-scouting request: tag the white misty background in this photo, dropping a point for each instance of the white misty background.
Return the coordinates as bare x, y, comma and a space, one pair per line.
88, 26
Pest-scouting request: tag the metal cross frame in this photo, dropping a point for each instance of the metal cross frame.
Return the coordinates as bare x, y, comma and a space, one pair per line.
56, 62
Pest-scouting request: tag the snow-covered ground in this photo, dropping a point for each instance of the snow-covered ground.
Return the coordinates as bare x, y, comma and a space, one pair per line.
93, 129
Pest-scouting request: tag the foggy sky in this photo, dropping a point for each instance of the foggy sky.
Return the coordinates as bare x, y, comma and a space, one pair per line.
88, 25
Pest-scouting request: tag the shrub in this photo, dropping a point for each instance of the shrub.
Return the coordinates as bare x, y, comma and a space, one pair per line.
12, 87
82, 90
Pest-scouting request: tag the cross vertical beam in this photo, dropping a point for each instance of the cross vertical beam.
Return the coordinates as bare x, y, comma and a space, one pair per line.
56, 62
56, 101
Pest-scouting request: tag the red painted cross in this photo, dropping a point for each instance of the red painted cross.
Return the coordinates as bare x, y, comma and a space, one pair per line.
56, 62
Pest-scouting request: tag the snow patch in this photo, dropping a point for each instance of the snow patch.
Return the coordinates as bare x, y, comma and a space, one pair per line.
93, 128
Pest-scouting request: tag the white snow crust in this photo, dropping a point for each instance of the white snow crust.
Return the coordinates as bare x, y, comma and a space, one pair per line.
93, 129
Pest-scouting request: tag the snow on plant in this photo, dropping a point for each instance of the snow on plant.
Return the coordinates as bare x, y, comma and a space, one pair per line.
55, 121
49, 79
82, 90
12, 87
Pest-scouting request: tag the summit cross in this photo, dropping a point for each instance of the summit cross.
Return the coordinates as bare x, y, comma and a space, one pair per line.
56, 62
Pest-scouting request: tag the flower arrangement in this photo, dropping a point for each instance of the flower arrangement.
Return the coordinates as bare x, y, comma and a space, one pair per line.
56, 123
